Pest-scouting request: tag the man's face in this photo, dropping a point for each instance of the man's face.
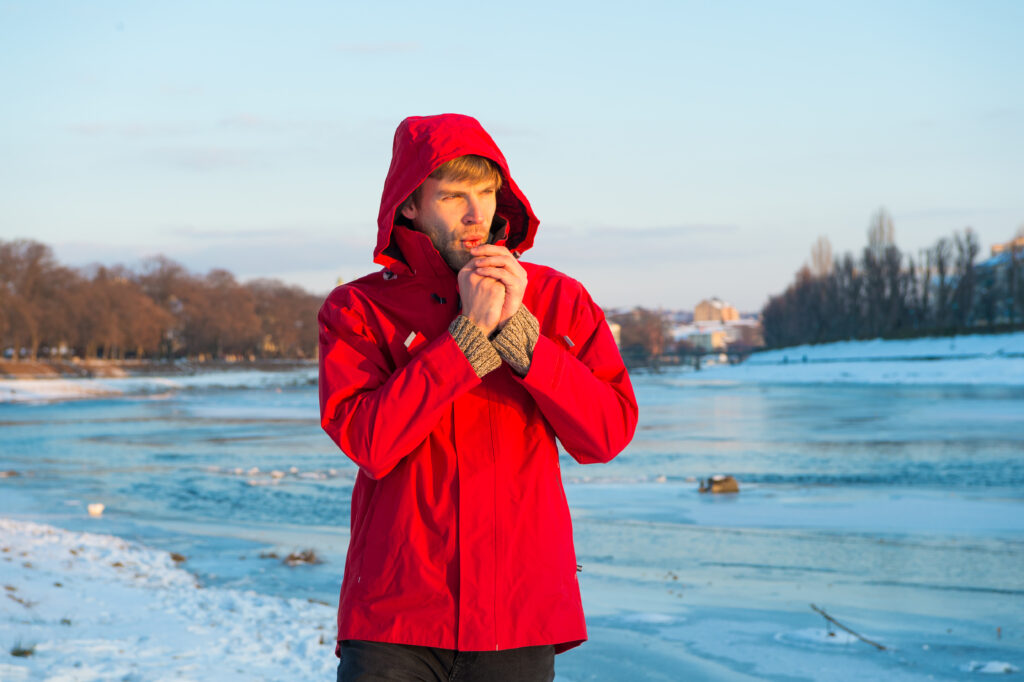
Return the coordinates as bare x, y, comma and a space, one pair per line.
455, 215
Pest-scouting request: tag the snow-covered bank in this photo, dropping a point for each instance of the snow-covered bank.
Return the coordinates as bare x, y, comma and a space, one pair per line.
80, 606
46, 390
928, 348
977, 360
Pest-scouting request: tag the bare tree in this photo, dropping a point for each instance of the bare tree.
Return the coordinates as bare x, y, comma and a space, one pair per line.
967, 249
941, 257
881, 233
287, 318
644, 333
26, 272
821, 257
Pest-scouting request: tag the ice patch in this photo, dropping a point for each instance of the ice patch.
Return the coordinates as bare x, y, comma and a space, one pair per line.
651, 618
13, 672
989, 668
815, 636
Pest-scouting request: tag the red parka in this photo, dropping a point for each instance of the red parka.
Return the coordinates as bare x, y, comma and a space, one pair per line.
460, 532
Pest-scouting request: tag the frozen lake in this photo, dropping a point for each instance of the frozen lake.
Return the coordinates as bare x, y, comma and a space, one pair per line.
896, 508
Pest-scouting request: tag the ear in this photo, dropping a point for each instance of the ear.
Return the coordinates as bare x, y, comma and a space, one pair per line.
408, 210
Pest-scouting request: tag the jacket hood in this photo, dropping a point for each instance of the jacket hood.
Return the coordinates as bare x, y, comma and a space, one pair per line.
422, 143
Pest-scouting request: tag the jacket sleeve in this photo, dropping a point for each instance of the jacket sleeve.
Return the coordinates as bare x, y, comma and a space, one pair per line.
585, 395
376, 414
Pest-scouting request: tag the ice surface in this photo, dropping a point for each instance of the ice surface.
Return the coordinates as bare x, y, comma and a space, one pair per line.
889, 499
990, 668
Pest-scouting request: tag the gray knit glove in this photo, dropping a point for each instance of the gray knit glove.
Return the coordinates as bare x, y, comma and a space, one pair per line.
516, 340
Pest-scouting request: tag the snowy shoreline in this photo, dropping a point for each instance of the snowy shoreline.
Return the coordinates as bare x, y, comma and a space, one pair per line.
995, 360
924, 348
52, 390
81, 606
84, 606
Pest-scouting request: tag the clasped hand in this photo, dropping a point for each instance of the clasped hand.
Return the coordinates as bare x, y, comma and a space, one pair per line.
491, 287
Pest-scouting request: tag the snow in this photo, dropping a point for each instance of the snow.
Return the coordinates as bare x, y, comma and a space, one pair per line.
993, 360
990, 668
48, 390
948, 347
95, 607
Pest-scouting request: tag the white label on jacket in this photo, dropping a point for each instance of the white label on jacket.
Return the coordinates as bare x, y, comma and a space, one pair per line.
409, 339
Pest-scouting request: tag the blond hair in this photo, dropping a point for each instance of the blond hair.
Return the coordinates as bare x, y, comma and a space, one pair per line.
468, 168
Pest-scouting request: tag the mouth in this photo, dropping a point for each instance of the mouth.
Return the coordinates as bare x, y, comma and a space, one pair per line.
473, 242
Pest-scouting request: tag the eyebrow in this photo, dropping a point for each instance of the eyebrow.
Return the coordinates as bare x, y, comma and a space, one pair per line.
441, 189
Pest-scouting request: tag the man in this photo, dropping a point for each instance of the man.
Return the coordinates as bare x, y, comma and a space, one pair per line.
446, 377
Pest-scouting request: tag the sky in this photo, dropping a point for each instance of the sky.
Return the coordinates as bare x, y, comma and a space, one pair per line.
673, 150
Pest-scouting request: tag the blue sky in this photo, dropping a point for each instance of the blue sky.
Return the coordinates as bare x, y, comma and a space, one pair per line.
673, 150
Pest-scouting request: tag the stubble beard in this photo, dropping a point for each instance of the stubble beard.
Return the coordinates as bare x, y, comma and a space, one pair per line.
449, 245
454, 254
456, 258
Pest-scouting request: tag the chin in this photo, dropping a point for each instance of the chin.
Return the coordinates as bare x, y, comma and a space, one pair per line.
457, 260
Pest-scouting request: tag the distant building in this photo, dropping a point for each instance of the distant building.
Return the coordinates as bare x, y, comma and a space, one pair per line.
719, 336
717, 326
616, 332
997, 285
715, 310
1014, 245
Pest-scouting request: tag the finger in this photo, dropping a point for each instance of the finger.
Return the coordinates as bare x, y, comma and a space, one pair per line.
490, 250
506, 261
478, 280
517, 273
495, 261
514, 270
502, 275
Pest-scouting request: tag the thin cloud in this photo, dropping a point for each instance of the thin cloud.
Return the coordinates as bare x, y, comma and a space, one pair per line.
285, 234
247, 122
378, 48
501, 130
203, 159
132, 130
236, 123
251, 122
952, 213
657, 247
631, 233
175, 90
283, 253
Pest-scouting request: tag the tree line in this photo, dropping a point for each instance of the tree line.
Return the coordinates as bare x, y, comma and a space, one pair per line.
891, 294
158, 311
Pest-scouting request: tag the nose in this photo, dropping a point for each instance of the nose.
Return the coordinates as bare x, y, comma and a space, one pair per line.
474, 211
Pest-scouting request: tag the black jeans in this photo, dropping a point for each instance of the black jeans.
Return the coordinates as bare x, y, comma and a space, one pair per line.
363, 661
